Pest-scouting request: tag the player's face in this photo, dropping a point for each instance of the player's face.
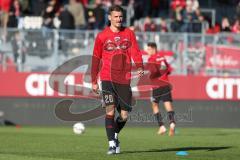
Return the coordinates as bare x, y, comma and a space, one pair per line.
116, 19
151, 50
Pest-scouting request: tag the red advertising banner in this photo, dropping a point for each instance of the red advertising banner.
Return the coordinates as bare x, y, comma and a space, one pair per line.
222, 57
184, 87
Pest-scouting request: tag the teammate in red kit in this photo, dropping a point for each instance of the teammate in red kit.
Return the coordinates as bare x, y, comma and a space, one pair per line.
114, 48
159, 70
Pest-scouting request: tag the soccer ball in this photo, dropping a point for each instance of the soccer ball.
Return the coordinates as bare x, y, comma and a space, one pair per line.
78, 128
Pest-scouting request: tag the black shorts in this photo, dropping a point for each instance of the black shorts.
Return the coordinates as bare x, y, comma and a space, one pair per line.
116, 94
161, 94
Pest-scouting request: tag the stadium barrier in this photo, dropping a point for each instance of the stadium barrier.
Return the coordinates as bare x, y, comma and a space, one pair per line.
37, 85
188, 53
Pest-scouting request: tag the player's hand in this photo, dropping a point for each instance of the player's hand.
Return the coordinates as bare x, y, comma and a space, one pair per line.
140, 72
95, 88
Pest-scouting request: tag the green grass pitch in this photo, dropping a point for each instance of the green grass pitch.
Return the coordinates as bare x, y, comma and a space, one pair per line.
60, 143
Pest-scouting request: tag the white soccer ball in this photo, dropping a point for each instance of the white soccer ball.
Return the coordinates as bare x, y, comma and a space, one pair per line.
78, 128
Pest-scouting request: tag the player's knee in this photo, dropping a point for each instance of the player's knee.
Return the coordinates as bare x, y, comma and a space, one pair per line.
110, 110
154, 105
124, 118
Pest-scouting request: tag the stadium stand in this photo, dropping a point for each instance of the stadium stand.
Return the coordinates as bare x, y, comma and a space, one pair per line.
36, 31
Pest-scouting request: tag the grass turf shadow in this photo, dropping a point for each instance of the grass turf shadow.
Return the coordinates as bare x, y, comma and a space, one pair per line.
180, 149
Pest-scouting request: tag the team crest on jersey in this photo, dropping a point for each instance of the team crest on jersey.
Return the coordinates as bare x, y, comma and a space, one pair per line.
117, 39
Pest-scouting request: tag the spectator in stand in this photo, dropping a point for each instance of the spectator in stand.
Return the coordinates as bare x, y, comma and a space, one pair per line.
194, 4
14, 14
163, 26
236, 26
177, 15
189, 18
77, 10
66, 18
91, 20
49, 14
149, 25
67, 23
225, 26
4, 11
99, 13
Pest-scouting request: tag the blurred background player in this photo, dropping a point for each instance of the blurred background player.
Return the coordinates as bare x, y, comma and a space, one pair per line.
160, 69
115, 46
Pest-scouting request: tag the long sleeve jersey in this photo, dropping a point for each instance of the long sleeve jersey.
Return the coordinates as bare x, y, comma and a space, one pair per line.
112, 56
159, 68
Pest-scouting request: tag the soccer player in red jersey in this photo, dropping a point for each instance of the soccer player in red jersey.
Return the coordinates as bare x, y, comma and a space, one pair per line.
159, 70
113, 50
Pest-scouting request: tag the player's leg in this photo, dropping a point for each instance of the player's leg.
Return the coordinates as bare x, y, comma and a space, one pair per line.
167, 101
170, 113
108, 99
121, 120
158, 117
110, 128
124, 95
156, 112
119, 124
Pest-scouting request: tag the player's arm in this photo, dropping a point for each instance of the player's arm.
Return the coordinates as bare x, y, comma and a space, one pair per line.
96, 59
153, 69
136, 55
168, 67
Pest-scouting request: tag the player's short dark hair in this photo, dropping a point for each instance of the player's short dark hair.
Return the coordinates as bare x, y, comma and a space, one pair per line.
115, 8
152, 45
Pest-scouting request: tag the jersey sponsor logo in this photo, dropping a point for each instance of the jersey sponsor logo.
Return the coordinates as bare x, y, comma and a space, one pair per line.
109, 46
117, 44
223, 88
